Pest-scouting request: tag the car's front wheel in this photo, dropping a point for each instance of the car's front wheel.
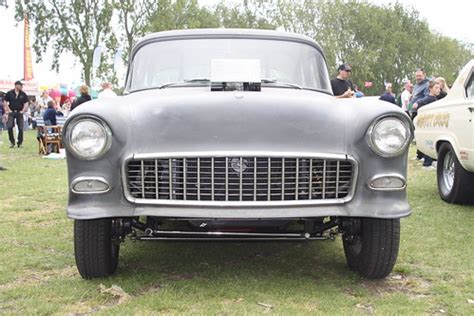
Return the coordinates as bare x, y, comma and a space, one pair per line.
371, 246
454, 182
95, 249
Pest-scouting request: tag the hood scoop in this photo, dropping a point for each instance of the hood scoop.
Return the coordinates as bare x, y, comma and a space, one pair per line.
235, 75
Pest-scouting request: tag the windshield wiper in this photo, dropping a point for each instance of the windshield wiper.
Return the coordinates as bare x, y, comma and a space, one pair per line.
287, 84
185, 81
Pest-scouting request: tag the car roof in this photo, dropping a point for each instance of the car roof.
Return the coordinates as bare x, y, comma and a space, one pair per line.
225, 33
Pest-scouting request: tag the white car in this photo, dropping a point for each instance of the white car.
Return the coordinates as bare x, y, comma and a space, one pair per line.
444, 131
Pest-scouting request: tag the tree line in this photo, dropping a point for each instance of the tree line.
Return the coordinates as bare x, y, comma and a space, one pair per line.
382, 43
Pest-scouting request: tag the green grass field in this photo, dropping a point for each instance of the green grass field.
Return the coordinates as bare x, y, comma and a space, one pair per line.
434, 273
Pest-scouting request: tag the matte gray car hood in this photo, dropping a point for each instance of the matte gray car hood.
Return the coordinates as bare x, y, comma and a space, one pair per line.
196, 119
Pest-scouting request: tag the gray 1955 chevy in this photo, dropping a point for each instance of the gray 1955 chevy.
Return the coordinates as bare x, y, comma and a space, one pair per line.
235, 135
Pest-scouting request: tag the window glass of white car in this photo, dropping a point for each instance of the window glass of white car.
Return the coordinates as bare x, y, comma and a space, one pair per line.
172, 61
470, 87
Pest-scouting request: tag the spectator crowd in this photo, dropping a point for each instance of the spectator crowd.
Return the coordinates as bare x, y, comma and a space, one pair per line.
410, 99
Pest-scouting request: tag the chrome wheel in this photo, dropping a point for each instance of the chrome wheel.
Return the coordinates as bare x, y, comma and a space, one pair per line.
454, 182
448, 171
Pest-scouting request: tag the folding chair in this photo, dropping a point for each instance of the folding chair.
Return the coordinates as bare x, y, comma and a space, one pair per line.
53, 137
49, 137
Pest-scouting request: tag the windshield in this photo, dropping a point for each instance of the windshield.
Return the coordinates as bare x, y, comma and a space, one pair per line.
160, 63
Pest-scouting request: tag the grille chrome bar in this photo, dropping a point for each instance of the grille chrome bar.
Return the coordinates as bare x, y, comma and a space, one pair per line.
184, 179
227, 178
244, 179
297, 179
212, 177
283, 178
199, 178
143, 179
324, 179
269, 173
240, 178
170, 172
156, 178
255, 178
310, 193
337, 177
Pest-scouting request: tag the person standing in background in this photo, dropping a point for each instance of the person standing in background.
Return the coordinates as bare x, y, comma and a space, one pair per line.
107, 91
84, 90
341, 86
443, 86
43, 102
420, 90
433, 93
405, 96
3, 118
16, 104
66, 107
388, 96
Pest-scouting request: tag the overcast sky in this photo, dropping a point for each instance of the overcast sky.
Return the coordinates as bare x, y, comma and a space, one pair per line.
452, 18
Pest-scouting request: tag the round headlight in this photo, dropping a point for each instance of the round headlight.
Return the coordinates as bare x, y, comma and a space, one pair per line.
88, 138
389, 136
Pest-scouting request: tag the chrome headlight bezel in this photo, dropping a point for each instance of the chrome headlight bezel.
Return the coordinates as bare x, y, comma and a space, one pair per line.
370, 133
96, 120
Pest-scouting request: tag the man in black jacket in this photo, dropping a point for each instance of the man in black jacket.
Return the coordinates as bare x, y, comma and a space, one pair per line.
16, 103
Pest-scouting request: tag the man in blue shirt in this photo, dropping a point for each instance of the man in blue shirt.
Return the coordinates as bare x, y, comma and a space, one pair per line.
420, 90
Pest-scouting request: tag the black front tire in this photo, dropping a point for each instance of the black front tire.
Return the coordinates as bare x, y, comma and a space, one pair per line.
459, 189
371, 248
95, 250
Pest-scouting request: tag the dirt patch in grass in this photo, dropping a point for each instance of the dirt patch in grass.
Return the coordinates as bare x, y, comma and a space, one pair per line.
366, 308
413, 286
110, 297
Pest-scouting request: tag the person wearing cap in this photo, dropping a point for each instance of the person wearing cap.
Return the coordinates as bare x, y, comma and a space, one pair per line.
341, 85
16, 104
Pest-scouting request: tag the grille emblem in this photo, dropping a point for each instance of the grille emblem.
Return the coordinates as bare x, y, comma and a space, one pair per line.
235, 165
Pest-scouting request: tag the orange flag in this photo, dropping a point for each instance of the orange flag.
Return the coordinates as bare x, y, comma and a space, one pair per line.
27, 64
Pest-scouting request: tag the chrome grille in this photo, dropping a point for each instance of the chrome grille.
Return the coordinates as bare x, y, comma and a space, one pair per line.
239, 179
